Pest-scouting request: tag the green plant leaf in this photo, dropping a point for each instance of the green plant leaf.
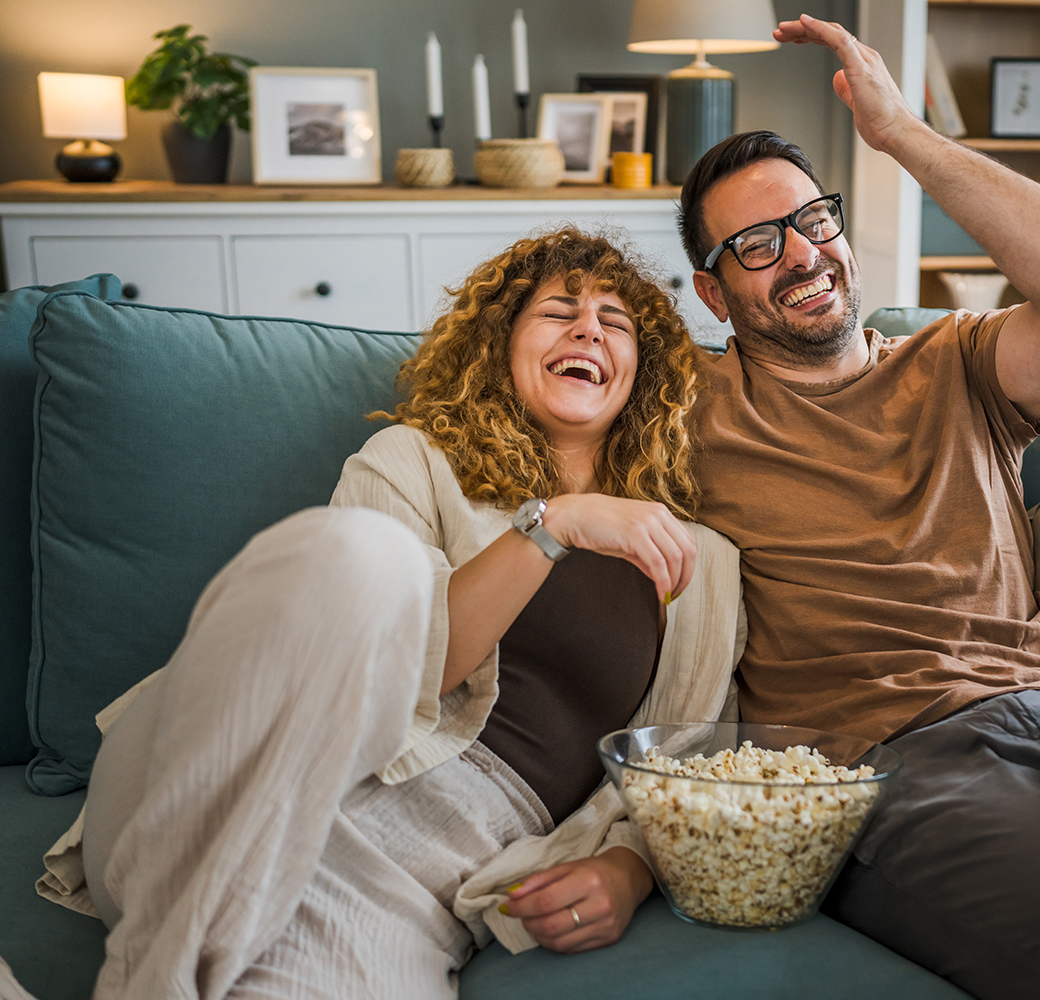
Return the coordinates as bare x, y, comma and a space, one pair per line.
206, 89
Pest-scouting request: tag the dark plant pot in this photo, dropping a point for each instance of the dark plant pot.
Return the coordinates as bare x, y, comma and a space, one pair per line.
197, 161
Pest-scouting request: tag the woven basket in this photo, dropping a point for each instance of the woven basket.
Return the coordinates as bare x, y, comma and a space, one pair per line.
425, 168
519, 163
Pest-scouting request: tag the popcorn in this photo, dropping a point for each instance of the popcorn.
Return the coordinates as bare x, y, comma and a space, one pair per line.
732, 850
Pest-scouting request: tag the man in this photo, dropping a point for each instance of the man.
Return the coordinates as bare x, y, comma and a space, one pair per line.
874, 492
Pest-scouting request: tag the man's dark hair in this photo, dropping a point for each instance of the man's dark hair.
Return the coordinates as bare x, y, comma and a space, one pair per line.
729, 156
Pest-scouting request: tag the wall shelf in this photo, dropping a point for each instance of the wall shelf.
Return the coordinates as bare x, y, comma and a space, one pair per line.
957, 263
984, 3
1004, 145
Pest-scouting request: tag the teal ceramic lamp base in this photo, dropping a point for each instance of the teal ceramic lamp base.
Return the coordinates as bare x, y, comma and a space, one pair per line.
700, 115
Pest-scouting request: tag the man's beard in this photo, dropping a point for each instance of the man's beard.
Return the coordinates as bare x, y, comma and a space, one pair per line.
765, 329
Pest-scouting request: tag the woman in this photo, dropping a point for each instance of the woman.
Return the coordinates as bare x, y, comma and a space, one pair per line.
362, 757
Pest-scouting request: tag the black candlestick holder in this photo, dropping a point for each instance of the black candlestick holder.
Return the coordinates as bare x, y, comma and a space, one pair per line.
436, 124
522, 100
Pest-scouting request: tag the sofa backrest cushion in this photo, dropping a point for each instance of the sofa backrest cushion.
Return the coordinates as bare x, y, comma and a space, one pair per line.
166, 438
18, 373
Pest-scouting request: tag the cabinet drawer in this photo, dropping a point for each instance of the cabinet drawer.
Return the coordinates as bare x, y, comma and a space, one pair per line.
362, 281
678, 271
448, 258
185, 271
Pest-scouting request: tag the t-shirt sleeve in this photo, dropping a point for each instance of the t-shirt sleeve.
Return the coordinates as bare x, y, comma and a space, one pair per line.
978, 334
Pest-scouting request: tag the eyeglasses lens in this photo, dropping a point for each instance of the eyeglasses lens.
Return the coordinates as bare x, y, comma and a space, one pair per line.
819, 222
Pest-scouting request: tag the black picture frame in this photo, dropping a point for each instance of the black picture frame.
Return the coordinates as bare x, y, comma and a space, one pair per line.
594, 83
1014, 98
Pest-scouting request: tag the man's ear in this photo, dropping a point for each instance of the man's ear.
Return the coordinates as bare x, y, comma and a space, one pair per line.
710, 292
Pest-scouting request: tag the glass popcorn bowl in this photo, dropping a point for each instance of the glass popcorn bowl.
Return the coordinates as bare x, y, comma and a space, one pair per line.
753, 832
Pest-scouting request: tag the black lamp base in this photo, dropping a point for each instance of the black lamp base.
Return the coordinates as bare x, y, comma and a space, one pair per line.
89, 162
700, 115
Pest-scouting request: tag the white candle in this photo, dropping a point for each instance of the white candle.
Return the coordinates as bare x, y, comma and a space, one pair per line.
481, 100
521, 82
434, 93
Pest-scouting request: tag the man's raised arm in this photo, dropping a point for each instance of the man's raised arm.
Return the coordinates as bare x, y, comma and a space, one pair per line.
998, 207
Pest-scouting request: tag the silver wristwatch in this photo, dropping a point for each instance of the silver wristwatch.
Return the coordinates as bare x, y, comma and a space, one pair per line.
528, 521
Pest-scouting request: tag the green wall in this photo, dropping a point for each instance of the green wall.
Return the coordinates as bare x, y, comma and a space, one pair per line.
788, 90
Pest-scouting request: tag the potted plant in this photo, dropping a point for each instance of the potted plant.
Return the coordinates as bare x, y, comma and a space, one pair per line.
208, 92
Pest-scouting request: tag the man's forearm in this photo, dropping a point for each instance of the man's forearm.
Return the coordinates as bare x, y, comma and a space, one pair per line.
998, 207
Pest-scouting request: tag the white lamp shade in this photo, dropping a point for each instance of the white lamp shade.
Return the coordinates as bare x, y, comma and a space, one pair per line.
82, 106
689, 26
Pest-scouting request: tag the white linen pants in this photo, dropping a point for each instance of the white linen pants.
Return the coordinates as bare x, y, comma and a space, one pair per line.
236, 840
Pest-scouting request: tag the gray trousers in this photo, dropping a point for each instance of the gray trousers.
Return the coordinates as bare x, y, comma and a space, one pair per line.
236, 841
948, 873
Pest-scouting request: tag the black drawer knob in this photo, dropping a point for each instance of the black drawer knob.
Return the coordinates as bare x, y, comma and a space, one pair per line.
323, 288
676, 282
131, 291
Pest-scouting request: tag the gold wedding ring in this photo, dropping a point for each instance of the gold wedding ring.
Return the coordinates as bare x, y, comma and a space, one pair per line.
577, 919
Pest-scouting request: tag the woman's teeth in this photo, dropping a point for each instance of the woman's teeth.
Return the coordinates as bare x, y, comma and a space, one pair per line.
578, 368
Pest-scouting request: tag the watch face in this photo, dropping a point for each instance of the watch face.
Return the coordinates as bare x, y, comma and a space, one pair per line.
529, 514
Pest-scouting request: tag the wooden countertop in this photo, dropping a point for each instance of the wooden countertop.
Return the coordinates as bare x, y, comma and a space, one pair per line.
167, 191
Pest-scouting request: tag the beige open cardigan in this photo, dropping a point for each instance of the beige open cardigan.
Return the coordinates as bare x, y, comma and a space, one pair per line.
400, 473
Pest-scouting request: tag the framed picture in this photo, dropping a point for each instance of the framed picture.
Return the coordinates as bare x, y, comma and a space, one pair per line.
315, 126
580, 123
1016, 98
627, 123
627, 83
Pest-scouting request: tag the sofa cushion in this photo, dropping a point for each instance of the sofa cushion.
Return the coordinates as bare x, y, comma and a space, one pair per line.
661, 956
17, 384
166, 438
56, 953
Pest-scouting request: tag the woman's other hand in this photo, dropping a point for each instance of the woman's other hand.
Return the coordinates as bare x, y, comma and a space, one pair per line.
646, 534
582, 905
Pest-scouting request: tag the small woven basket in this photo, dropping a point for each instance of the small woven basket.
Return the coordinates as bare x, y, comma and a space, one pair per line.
519, 163
425, 168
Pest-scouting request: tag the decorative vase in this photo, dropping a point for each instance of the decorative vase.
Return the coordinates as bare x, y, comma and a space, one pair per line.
193, 160
974, 291
519, 163
427, 168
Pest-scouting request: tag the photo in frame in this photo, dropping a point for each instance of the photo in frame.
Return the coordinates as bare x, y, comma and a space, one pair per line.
627, 123
315, 126
1015, 96
588, 83
580, 123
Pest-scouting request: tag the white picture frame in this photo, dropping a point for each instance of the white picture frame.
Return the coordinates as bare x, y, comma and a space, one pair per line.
580, 123
627, 123
315, 126
1015, 98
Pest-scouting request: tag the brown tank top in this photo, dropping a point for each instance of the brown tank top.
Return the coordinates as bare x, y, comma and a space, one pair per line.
574, 665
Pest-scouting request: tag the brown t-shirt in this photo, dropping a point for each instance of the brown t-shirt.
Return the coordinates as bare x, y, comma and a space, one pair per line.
886, 552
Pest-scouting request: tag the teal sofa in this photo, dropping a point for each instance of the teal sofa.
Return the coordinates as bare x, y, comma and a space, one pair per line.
139, 449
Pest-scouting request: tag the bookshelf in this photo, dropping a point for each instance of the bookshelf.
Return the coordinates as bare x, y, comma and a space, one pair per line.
969, 33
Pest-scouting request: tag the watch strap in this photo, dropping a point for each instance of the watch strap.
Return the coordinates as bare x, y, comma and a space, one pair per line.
552, 548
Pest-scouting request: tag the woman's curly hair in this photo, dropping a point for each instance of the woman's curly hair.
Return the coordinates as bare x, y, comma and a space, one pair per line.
460, 388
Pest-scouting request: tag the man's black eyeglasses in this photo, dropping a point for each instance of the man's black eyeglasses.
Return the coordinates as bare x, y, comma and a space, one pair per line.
762, 245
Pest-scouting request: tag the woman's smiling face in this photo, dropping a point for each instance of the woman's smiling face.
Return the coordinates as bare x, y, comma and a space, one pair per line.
573, 359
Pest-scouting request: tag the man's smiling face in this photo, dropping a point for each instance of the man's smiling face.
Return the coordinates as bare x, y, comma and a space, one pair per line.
800, 312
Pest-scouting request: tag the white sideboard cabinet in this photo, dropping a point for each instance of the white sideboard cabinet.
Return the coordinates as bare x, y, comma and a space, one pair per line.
376, 258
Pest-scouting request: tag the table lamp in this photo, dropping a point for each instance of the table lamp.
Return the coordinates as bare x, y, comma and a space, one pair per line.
700, 96
84, 107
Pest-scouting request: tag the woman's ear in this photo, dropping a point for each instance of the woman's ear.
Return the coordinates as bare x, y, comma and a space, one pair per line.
710, 292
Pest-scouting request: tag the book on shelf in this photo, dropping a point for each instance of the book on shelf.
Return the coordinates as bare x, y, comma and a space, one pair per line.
940, 106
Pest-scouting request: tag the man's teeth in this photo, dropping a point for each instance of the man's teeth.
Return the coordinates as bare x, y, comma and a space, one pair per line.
570, 364
823, 284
